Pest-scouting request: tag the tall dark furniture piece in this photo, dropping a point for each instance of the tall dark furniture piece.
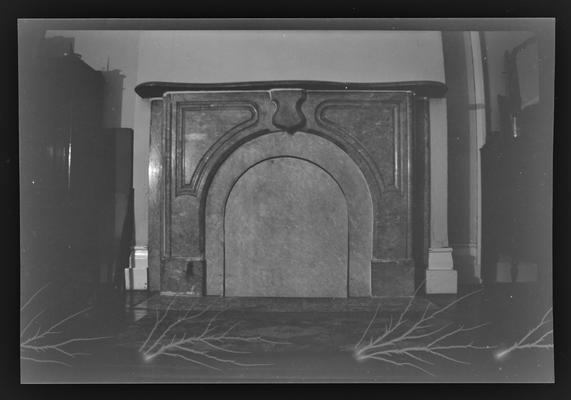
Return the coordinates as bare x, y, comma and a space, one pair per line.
68, 169
517, 176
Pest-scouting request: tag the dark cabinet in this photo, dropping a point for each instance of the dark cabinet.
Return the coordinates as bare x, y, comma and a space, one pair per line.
67, 174
517, 176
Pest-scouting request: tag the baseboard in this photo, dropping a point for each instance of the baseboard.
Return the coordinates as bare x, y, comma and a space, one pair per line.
526, 272
464, 256
440, 258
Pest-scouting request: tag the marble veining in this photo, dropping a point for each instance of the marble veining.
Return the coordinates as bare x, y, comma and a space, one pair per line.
286, 232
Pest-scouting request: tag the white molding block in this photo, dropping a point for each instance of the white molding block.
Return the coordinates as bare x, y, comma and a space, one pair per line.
440, 258
139, 257
441, 278
136, 276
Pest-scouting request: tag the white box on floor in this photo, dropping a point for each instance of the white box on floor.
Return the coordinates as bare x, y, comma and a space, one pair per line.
527, 272
503, 272
136, 278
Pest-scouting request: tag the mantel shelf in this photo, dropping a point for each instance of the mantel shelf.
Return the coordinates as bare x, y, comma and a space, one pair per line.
421, 88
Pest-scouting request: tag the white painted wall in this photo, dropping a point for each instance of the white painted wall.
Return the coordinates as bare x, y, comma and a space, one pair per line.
226, 56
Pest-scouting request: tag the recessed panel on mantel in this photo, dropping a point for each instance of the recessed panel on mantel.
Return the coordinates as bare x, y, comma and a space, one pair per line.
286, 232
376, 124
202, 126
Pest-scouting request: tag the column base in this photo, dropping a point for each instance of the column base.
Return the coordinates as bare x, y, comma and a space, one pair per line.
441, 281
441, 278
136, 276
440, 258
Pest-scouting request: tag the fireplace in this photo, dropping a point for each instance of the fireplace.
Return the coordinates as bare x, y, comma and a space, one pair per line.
288, 189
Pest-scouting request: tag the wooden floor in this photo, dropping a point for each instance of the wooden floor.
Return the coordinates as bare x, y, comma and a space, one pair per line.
297, 340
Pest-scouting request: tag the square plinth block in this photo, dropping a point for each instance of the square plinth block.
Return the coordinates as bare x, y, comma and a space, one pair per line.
443, 281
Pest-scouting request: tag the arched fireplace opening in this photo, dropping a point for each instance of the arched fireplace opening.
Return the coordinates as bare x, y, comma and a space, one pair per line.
286, 232
288, 215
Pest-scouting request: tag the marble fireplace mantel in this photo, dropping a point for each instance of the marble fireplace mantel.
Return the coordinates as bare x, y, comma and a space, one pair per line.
294, 188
